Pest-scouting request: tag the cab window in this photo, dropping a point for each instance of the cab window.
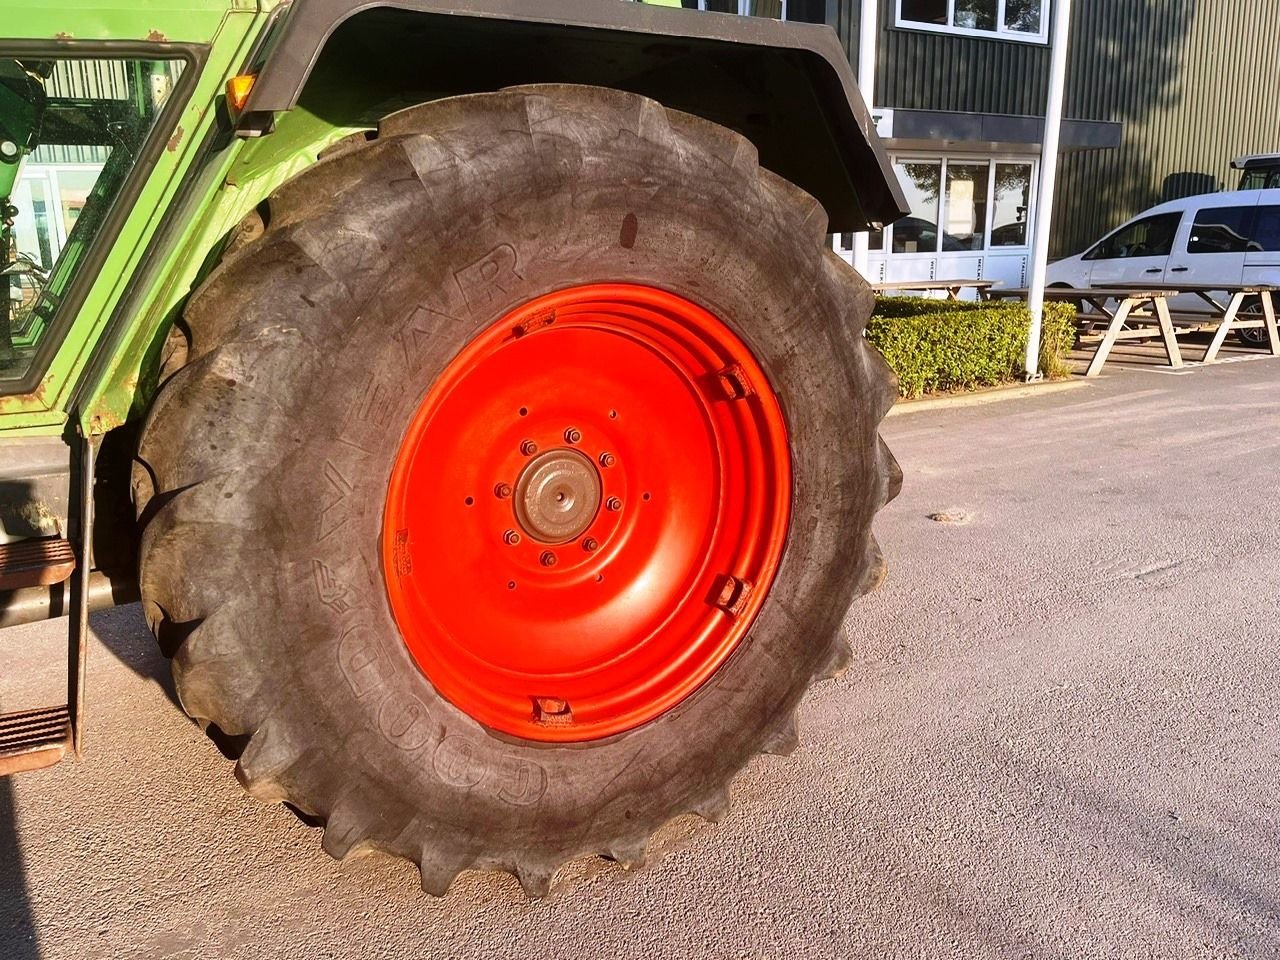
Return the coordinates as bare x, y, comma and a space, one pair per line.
71, 133
1148, 237
1221, 230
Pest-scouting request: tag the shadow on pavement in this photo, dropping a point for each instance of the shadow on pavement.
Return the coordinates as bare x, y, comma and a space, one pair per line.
124, 633
17, 924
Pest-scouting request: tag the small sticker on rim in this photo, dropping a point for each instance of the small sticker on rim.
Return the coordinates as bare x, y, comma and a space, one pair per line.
403, 559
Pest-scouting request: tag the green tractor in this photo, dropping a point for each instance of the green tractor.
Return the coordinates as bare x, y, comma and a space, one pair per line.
467, 390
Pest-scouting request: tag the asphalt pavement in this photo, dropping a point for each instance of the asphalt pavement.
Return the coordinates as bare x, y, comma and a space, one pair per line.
1059, 738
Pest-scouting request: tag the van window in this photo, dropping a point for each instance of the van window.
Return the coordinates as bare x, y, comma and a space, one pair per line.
1221, 230
1148, 237
1266, 229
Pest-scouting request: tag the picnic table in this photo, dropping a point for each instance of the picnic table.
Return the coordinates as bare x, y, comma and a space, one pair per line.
1228, 313
952, 287
1128, 300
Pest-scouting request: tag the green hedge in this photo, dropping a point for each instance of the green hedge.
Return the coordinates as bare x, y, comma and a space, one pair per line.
945, 345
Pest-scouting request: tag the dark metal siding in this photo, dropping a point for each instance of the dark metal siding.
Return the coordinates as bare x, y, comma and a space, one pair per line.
921, 70
1193, 83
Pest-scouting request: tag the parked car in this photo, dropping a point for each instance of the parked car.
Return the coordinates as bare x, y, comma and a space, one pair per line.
1229, 238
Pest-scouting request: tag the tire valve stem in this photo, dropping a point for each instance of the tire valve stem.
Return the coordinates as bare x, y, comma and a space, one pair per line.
511, 538
614, 504
548, 559
502, 491
572, 435
528, 448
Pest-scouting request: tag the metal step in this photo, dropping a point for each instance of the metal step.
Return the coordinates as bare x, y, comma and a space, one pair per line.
36, 563
31, 739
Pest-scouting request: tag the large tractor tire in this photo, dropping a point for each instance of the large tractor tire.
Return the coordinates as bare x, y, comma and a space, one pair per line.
517, 481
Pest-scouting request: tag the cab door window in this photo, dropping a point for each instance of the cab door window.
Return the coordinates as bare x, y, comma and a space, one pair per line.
72, 131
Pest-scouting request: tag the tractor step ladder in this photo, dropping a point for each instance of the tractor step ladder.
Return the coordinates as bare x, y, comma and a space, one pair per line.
36, 563
31, 739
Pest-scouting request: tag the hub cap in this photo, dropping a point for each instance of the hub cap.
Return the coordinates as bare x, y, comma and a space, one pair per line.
587, 512
557, 496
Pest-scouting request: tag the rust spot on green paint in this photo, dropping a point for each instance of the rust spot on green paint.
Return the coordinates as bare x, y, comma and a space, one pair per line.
37, 398
155, 36
63, 35
175, 140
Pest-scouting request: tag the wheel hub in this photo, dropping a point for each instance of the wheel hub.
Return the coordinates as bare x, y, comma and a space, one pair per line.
587, 512
557, 496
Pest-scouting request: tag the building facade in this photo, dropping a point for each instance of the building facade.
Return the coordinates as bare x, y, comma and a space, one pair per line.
1160, 96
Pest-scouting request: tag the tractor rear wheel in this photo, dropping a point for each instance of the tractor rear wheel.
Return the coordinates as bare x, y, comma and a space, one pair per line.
517, 481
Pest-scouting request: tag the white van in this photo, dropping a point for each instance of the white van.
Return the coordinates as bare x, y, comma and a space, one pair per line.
1229, 238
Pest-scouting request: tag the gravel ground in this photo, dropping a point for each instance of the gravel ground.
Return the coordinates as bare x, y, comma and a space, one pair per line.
1059, 738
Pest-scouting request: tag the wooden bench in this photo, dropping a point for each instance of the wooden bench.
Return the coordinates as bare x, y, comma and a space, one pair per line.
952, 287
1123, 323
1225, 316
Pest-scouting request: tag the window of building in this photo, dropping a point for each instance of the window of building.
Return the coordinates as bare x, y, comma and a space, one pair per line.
964, 223
1007, 19
980, 204
804, 11
77, 129
917, 232
1012, 192
1148, 237
1221, 230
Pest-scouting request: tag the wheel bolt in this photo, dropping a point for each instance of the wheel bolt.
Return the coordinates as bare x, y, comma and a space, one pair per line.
590, 544
528, 448
548, 559
511, 537
502, 491
572, 435
607, 459
613, 503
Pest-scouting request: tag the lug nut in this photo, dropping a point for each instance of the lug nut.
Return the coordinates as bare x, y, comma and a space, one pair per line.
607, 459
511, 537
528, 448
572, 435
613, 503
548, 559
590, 544
502, 491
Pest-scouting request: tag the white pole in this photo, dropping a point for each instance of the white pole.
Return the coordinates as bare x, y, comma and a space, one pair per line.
868, 28
1048, 177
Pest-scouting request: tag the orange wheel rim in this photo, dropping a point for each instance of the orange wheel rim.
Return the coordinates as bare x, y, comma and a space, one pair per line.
587, 512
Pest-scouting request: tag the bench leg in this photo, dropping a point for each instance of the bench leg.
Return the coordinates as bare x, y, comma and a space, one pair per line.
1269, 319
1167, 333
1220, 335
1109, 339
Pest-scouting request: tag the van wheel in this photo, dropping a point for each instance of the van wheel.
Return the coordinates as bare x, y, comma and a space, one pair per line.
1252, 336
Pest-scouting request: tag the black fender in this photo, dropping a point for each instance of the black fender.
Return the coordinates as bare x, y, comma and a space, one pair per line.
787, 87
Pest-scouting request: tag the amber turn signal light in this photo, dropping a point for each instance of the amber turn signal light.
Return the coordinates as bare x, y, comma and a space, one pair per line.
238, 89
